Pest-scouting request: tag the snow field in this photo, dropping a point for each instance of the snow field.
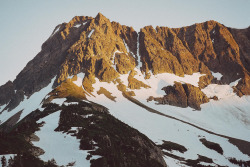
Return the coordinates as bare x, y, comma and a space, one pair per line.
214, 116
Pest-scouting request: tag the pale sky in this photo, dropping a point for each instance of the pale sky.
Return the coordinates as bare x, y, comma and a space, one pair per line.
26, 24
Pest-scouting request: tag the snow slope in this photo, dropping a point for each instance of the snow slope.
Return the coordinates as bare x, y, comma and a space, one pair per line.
159, 128
223, 117
62, 147
28, 104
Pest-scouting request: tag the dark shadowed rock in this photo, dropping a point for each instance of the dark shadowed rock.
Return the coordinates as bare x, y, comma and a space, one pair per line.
6, 92
15, 100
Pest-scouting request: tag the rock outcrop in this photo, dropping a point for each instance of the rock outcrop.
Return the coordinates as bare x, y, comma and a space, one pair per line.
175, 95
183, 95
195, 97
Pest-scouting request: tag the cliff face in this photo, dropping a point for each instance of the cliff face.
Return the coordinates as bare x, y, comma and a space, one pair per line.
198, 48
242, 38
104, 50
214, 45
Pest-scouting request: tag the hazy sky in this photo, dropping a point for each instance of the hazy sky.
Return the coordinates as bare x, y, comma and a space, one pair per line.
26, 24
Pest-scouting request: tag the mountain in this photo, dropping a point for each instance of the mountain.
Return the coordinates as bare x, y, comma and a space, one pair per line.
101, 94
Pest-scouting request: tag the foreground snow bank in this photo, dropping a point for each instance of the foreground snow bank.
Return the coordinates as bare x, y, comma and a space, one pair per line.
62, 147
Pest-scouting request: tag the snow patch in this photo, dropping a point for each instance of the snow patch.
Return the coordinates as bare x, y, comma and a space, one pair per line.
217, 75
126, 46
80, 24
74, 130
2, 107
71, 76
91, 32
57, 29
59, 101
95, 157
139, 76
77, 25
108, 86
171, 162
157, 82
86, 101
221, 91
138, 53
87, 116
79, 80
70, 103
62, 147
235, 82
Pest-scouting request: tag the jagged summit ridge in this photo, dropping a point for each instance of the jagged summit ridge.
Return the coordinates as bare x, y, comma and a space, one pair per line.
103, 49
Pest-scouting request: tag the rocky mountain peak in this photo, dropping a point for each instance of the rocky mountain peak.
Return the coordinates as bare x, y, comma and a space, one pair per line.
105, 50
173, 82
101, 19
